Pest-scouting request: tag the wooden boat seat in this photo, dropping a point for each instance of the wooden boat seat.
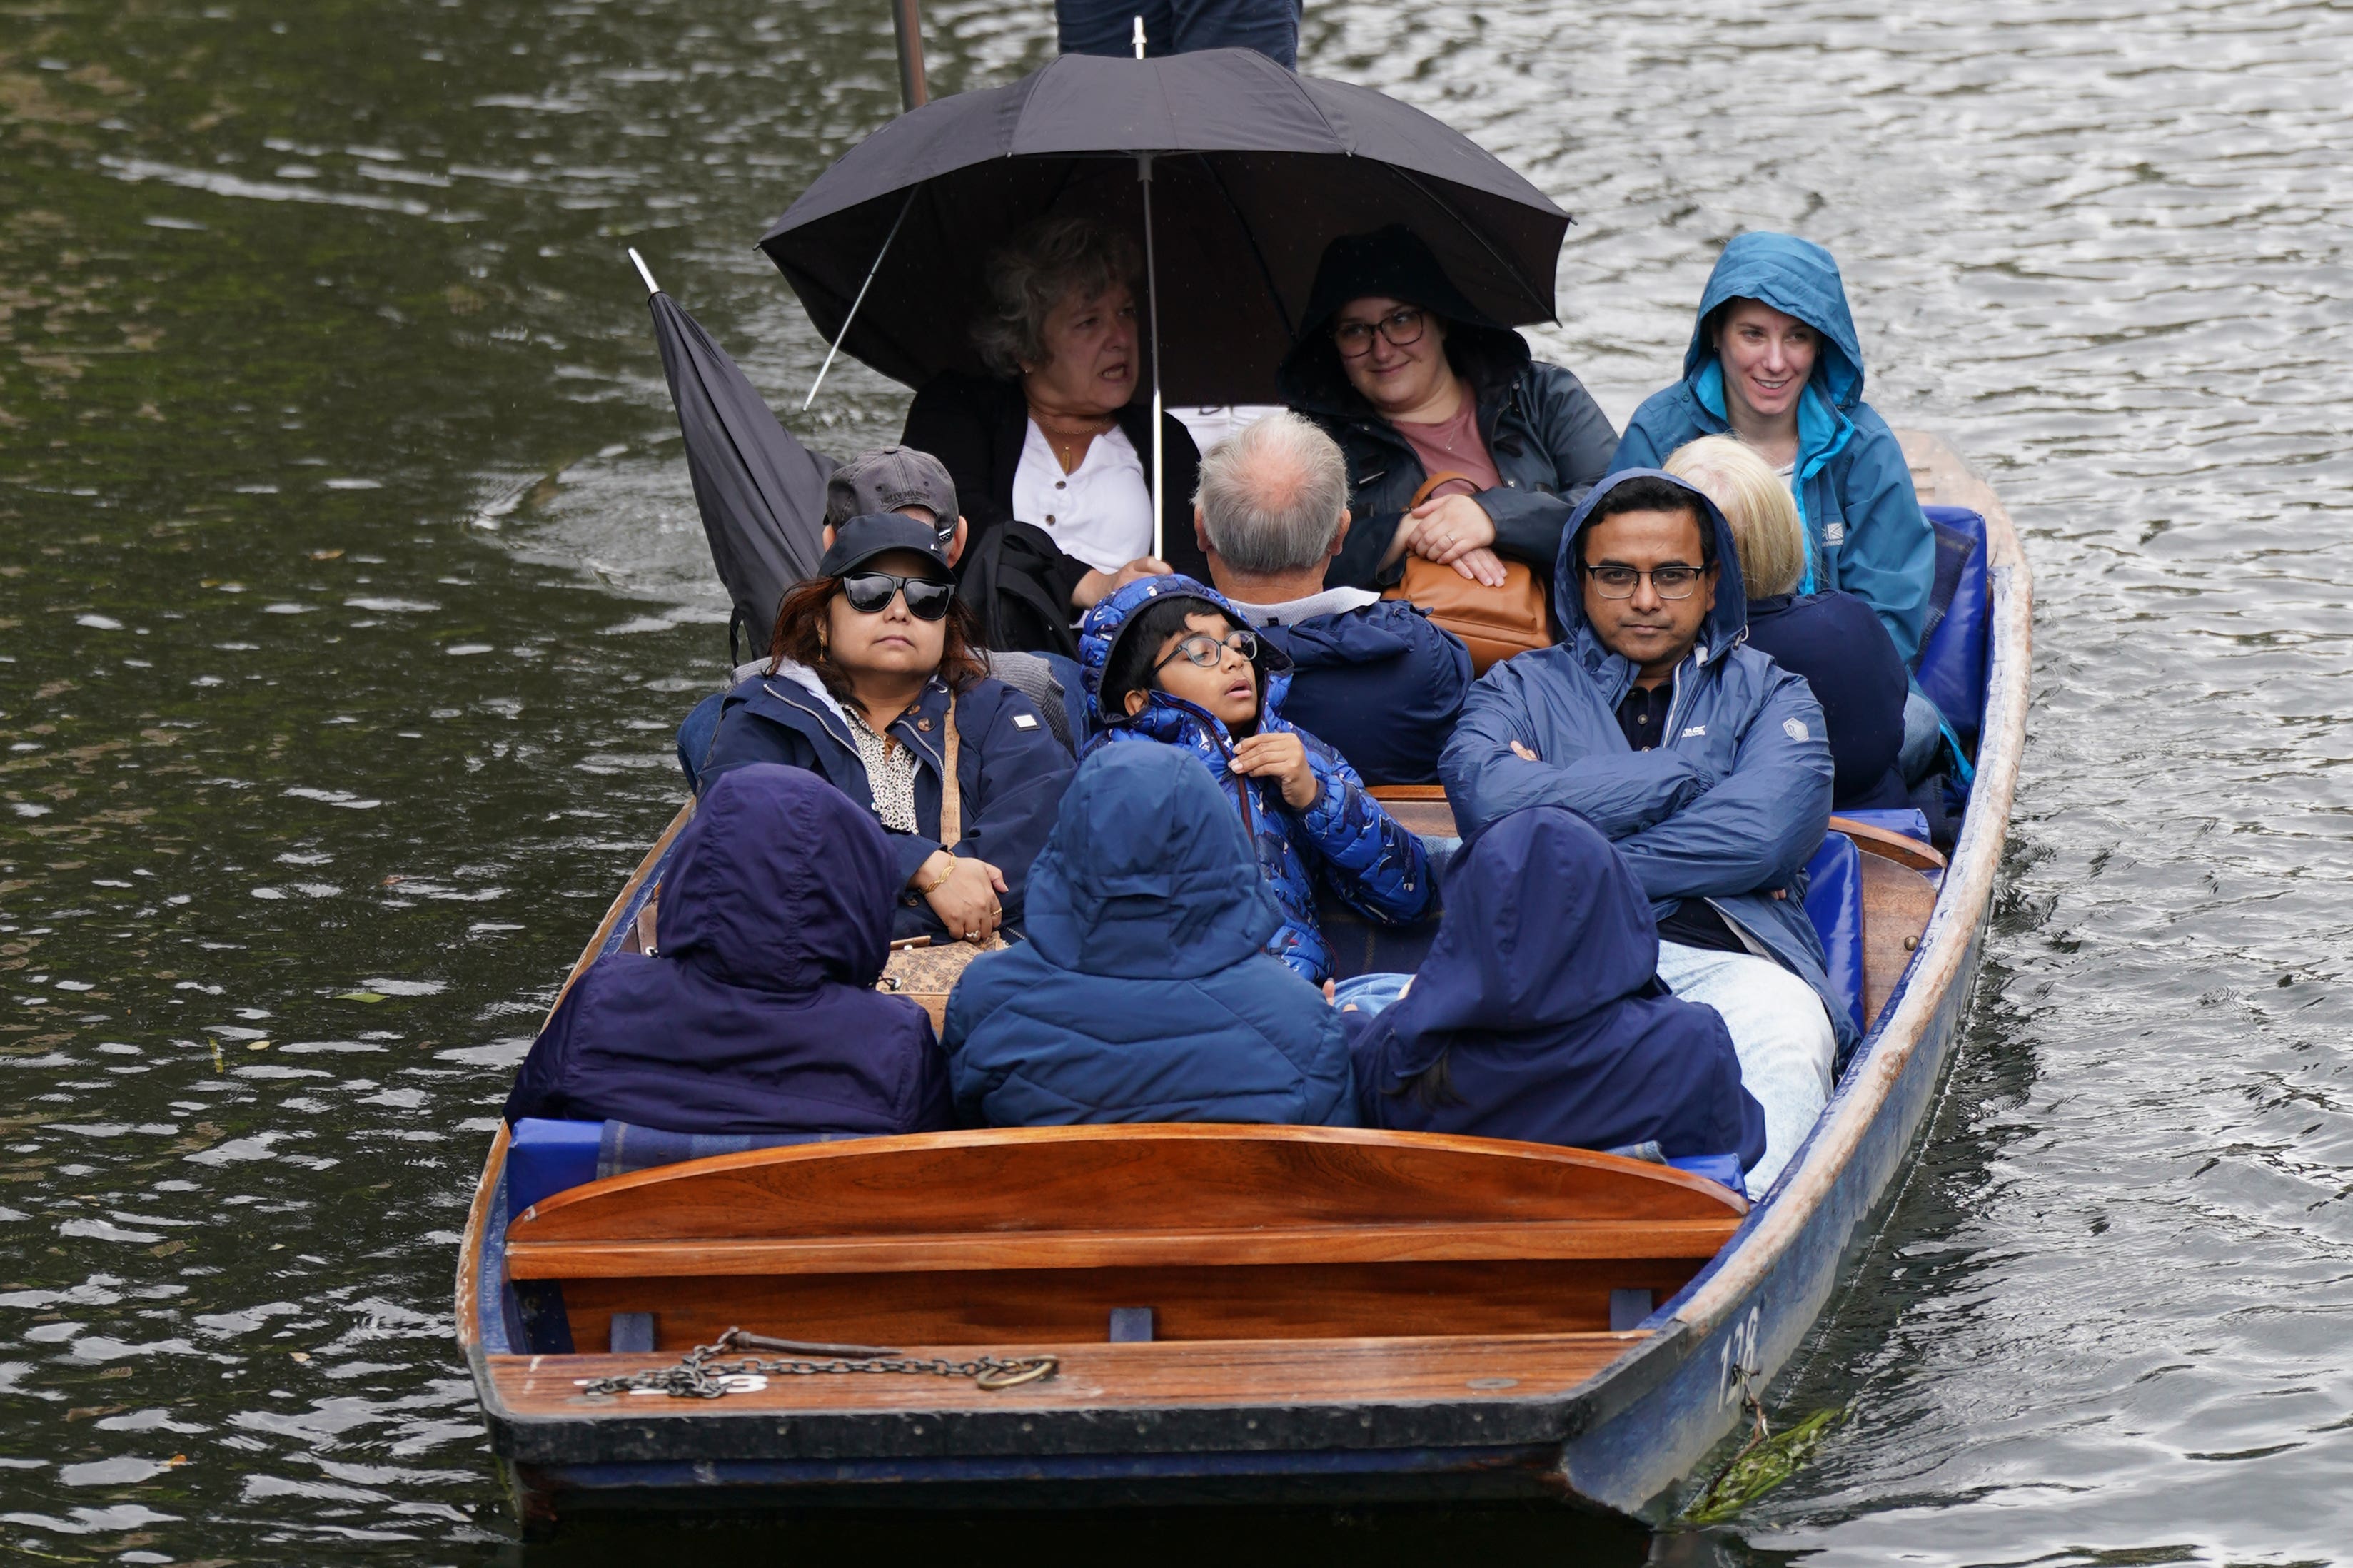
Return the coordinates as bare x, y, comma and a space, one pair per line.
1040, 1234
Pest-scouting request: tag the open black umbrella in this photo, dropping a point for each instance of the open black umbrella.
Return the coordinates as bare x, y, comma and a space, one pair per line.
761, 493
1253, 171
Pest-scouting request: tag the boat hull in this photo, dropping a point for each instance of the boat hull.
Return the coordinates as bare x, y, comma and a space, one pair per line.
1620, 1437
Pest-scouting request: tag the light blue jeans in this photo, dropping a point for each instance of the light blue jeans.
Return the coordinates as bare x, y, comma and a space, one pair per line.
1919, 753
1781, 1033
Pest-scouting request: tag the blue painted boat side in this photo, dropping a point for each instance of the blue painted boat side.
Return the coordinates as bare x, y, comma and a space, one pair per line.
1641, 1450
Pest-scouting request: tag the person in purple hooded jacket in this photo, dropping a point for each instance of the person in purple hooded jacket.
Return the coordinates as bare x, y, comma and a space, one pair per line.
756, 1011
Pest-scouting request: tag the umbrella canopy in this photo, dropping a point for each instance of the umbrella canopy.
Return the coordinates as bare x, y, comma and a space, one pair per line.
1254, 170
761, 493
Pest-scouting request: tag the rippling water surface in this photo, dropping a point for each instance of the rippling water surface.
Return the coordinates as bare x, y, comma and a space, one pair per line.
350, 587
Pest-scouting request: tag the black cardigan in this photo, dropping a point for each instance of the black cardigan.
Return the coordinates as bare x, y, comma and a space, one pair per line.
978, 428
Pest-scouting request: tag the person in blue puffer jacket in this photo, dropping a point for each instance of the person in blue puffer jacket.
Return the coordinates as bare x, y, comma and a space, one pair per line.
1774, 360
1145, 992
1169, 659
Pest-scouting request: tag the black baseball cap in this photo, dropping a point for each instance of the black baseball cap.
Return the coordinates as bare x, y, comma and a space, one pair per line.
862, 539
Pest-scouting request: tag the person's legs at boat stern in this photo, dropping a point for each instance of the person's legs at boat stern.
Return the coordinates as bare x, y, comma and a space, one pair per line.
1780, 1032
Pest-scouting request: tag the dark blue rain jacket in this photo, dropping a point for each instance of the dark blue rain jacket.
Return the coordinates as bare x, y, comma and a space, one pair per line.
1145, 992
757, 1011
1854, 488
1010, 771
1358, 850
1835, 641
1542, 995
1379, 685
1730, 806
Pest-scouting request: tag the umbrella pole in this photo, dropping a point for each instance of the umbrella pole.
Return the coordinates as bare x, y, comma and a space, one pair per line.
1151, 296
836, 347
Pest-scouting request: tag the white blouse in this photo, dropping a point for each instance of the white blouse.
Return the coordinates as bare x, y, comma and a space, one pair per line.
1101, 514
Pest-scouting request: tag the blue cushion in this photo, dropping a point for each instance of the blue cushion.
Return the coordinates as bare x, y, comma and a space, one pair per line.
545, 1157
1951, 671
1909, 821
1834, 903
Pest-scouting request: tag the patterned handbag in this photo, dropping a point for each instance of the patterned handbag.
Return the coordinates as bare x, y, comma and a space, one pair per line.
923, 969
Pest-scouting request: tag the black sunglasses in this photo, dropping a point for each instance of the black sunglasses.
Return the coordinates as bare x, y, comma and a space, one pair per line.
870, 593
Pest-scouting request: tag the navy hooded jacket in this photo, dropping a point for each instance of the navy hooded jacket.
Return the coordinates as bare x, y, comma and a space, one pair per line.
757, 1011
1541, 994
1380, 685
1357, 850
1835, 641
1728, 808
1852, 486
1010, 771
1145, 992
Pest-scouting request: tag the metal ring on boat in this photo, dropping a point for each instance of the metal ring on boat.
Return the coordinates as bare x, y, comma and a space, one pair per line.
1013, 1375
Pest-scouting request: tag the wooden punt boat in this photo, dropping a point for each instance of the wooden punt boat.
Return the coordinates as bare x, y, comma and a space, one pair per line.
1234, 1313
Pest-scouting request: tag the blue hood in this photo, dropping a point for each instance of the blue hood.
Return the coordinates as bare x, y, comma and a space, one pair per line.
1099, 636
1798, 278
757, 1012
1149, 874
1726, 625
1541, 994
781, 884
1382, 630
1544, 925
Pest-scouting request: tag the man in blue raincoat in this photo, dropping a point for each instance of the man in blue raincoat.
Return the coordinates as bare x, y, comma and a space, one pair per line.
1701, 759
1774, 360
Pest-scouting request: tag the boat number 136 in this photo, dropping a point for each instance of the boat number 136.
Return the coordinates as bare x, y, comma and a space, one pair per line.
1737, 1356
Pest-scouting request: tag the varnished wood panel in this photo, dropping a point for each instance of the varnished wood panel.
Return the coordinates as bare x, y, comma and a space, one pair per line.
1896, 903
1383, 1370
1896, 847
957, 1252
1165, 1177
1334, 1301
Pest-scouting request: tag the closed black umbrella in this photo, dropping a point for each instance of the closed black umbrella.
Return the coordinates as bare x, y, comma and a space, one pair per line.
761, 493
1253, 171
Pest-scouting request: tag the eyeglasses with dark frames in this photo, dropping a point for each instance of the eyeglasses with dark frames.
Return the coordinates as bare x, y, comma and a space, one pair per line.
1205, 652
1402, 328
1672, 581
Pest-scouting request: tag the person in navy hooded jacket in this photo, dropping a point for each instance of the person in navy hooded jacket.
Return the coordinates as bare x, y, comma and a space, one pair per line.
872, 662
1700, 758
756, 1011
1376, 677
1145, 992
1538, 1014
1169, 660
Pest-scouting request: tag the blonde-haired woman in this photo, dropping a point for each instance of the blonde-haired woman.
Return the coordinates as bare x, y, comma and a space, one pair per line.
1831, 638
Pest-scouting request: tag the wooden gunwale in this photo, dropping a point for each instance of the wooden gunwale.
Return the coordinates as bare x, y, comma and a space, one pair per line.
1626, 1425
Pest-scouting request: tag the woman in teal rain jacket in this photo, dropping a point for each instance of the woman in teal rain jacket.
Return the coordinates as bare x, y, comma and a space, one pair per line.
1794, 368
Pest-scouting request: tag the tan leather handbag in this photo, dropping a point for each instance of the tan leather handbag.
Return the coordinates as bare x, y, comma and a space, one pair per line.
920, 970
1493, 622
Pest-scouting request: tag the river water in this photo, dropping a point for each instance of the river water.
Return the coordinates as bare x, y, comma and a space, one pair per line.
350, 587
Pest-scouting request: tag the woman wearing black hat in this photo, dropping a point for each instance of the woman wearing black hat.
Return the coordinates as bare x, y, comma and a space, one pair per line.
867, 661
1414, 383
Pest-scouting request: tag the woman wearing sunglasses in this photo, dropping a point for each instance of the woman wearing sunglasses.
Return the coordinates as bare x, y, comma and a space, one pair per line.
1414, 384
1168, 660
869, 661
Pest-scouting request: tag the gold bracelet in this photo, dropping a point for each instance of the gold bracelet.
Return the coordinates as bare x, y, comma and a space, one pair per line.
943, 882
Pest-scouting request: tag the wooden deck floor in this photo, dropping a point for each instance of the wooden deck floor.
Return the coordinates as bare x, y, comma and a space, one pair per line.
1198, 1373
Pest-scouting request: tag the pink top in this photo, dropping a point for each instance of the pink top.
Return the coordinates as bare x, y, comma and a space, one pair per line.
1452, 445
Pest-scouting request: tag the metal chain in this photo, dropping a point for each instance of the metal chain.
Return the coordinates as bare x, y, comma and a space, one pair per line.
701, 1374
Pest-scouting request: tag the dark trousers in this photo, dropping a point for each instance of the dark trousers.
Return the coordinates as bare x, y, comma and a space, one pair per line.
1181, 26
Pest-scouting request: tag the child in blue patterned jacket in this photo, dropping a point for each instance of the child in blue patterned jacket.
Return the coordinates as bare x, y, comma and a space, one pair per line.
1168, 660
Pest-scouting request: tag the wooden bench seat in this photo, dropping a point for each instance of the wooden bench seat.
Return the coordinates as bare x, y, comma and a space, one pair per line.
1224, 1232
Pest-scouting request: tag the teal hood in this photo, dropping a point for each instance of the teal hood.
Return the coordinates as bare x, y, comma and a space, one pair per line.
1798, 278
